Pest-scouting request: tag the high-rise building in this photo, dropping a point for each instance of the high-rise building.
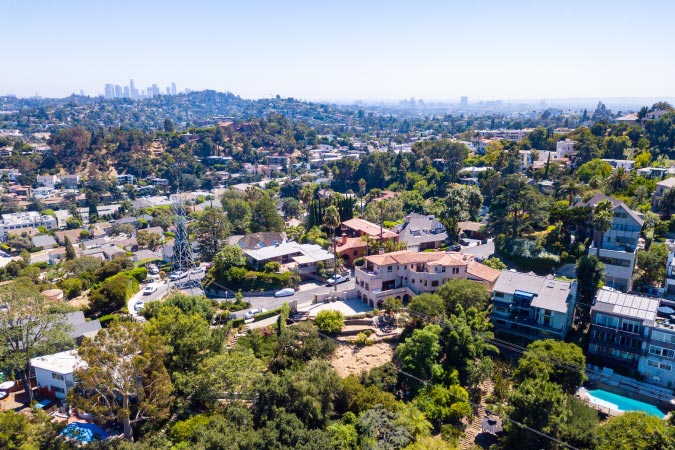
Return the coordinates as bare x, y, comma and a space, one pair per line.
168, 90
127, 94
82, 92
464, 100
173, 88
118, 91
132, 89
109, 91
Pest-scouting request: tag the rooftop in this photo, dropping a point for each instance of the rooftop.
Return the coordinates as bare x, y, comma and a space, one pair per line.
63, 362
368, 228
548, 292
626, 305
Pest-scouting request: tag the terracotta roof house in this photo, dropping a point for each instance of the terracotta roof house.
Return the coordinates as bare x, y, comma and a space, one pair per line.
405, 274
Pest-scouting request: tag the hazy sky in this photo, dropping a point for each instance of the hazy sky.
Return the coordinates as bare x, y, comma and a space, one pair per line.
343, 50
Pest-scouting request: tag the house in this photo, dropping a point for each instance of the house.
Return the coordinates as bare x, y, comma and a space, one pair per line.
628, 119
361, 228
42, 192
404, 274
670, 274
70, 181
547, 187
564, 149
617, 247
472, 230
160, 181
73, 235
44, 241
253, 241
55, 372
81, 327
47, 180
661, 188
106, 253
421, 232
302, 257
125, 179
625, 164
532, 306
654, 172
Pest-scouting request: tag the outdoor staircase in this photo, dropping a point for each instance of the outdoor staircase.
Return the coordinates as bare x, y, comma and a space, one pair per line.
473, 429
235, 337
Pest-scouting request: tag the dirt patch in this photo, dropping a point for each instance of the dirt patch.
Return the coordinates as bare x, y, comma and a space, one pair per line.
352, 360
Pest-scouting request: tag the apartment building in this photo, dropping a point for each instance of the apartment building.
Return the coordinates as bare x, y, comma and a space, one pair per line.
14, 223
634, 334
532, 306
404, 274
617, 247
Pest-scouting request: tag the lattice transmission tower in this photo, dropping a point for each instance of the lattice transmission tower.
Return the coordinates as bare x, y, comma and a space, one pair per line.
183, 259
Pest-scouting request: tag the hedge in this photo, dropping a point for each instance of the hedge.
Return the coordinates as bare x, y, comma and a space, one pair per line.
266, 314
236, 323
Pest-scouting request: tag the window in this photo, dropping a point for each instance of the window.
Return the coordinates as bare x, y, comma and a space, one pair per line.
499, 294
390, 268
434, 283
663, 352
59, 390
652, 363
57, 376
443, 269
455, 270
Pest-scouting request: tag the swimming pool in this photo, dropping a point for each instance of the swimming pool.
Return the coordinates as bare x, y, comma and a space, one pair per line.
621, 403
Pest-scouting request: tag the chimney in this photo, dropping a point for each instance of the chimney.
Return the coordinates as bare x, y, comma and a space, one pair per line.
381, 251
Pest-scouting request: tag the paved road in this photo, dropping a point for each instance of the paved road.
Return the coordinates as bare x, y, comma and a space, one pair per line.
480, 251
270, 302
163, 289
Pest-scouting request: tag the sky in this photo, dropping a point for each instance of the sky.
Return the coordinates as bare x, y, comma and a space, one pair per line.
343, 50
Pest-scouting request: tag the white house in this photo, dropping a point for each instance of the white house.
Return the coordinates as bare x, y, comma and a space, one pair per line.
563, 149
47, 180
55, 372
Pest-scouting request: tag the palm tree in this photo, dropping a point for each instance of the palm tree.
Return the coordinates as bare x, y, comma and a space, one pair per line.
362, 191
603, 213
331, 220
571, 189
619, 179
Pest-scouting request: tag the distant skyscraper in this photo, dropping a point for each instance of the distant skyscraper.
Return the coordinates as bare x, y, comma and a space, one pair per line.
132, 89
127, 94
109, 91
173, 88
464, 100
118, 91
168, 90
82, 92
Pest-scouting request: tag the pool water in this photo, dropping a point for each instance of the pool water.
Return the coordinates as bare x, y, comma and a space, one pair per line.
622, 403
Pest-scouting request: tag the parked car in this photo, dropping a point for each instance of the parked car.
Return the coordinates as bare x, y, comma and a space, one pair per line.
152, 269
177, 275
253, 312
139, 305
337, 279
190, 284
197, 270
284, 292
149, 289
456, 248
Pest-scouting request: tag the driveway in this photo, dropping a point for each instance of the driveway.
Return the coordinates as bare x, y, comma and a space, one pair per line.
480, 251
270, 302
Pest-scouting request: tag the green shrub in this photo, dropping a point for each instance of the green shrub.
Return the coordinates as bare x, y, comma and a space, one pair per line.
358, 262
329, 321
108, 319
266, 314
272, 266
139, 273
236, 323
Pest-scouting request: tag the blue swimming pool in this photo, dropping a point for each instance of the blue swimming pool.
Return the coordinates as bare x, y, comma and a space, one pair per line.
622, 403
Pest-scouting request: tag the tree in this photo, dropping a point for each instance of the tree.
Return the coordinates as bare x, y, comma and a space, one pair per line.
538, 404
125, 379
229, 256
168, 126
517, 208
463, 202
301, 342
589, 273
651, 266
594, 168
212, 229
378, 430
603, 214
495, 263
229, 376
92, 202
419, 352
427, 307
556, 361
635, 431
292, 207
30, 326
329, 321
149, 240
70, 251
463, 292
239, 214
265, 216
441, 404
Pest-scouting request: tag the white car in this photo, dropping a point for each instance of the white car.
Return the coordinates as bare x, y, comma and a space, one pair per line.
149, 289
284, 292
337, 280
152, 269
253, 312
178, 275
139, 305
197, 270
